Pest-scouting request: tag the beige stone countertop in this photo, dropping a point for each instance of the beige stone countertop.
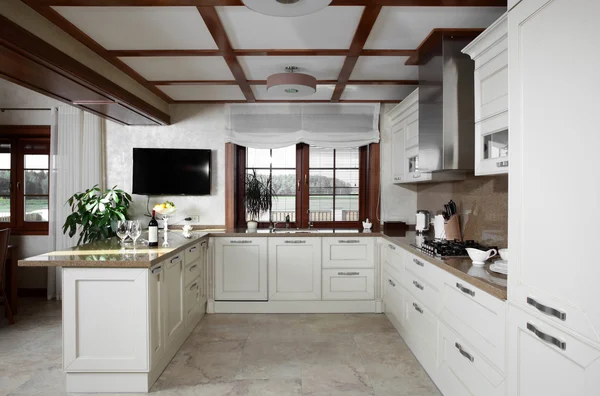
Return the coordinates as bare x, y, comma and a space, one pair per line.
461, 267
108, 253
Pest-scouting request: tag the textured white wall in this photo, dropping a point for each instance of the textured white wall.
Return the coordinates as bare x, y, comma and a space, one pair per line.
194, 127
398, 203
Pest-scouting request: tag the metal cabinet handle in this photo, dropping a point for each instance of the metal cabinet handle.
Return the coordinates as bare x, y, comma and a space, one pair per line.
156, 270
418, 262
203, 243
392, 247
418, 285
502, 164
193, 266
194, 286
243, 241
295, 241
391, 283
546, 309
349, 241
192, 249
547, 338
174, 259
348, 273
465, 290
417, 175
463, 352
417, 308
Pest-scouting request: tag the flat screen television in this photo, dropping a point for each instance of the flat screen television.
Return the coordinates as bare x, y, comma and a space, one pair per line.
171, 171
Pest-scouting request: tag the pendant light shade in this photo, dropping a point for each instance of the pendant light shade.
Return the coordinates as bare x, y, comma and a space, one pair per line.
286, 8
291, 84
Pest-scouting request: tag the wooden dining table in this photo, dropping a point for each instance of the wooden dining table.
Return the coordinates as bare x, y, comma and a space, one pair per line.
12, 278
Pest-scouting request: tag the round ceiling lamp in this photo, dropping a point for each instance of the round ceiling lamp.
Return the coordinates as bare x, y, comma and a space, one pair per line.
291, 83
286, 8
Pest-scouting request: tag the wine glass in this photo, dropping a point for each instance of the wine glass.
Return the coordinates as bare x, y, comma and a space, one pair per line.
122, 232
135, 230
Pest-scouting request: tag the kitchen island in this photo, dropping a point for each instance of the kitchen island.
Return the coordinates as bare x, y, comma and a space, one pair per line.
127, 312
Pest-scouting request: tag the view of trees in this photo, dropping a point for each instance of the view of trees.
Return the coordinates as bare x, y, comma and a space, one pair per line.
286, 185
36, 182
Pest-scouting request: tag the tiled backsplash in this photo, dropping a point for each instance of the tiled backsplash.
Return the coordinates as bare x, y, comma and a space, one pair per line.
482, 204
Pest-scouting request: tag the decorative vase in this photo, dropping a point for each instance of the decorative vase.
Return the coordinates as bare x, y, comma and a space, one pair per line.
252, 226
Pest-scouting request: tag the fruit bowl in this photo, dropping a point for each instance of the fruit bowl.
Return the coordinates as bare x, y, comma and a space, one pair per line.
166, 208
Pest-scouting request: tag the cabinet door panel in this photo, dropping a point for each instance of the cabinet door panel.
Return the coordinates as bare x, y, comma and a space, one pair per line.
491, 86
241, 269
348, 284
421, 328
395, 302
549, 140
193, 304
348, 252
398, 133
537, 366
156, 305
174, 311
295, 269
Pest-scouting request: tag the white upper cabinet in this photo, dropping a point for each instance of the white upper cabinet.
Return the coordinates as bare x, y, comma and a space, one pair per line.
512, 3
294, 268
240, 269
490, 53
554, 160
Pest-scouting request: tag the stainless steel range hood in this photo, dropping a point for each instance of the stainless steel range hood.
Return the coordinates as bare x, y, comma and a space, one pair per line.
446, 113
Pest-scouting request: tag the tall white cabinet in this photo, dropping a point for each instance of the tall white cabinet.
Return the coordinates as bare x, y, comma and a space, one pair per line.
554, 319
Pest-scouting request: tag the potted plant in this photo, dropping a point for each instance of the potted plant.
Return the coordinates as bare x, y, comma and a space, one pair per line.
95, 213
259, 197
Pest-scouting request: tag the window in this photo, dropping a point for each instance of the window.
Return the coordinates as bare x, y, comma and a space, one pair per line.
320, 186
24, 179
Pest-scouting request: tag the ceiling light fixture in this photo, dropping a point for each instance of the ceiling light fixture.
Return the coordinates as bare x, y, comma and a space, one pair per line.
286, 8
291, 83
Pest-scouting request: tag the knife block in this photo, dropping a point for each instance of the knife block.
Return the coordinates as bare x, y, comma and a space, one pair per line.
452, 228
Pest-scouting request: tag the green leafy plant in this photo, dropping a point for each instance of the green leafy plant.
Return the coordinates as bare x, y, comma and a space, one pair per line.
95, 212
259, 195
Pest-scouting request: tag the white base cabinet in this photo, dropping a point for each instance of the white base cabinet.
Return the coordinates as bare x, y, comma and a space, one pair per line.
240, 269
545, 360
348, 284
294, 269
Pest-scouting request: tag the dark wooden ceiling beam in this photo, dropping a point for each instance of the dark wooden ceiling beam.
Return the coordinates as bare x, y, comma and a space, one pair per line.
264, 82
217, 30
365, 25
260, 52
157, 3
86, 40
432, 43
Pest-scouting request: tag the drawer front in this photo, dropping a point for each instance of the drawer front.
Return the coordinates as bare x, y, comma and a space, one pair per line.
348, 284
424, 270
192, 271
421, 327
193, 300
192, 253
394, 301
394, 259
477, 317
349, 252
422, 289
463, 371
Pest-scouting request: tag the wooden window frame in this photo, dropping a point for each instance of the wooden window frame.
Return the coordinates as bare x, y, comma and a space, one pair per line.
367, 205
17, 135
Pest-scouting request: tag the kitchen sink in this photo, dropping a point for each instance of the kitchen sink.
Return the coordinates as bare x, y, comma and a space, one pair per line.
295, 230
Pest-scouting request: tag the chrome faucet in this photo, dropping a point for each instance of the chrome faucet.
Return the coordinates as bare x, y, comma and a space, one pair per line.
287, 221
310, 224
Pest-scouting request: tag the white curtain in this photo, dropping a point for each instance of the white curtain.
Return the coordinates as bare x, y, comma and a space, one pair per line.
77, 151
332, 125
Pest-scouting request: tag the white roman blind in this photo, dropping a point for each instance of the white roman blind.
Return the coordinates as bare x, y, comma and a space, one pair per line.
330, 125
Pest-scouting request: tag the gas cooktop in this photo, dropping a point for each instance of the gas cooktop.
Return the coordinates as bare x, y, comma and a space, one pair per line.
448, 249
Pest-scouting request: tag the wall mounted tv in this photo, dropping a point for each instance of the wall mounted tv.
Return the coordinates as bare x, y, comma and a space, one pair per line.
171, 171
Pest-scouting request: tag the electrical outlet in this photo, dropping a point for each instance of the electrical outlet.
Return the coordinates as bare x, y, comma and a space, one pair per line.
194, 219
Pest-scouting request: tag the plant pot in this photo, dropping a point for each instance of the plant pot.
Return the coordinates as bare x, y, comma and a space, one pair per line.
252, 225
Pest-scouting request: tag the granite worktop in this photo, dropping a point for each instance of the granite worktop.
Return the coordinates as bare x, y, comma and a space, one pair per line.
109, 254
461, 267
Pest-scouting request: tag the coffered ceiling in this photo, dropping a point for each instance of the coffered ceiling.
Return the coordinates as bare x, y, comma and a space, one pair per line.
221, 51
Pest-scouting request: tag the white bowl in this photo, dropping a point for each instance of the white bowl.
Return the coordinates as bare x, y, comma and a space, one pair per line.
479, 256
503, 253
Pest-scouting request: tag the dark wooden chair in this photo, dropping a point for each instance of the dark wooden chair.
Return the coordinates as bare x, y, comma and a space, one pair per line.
4, 238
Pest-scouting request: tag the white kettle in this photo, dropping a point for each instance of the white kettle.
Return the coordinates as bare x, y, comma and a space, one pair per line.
422, 221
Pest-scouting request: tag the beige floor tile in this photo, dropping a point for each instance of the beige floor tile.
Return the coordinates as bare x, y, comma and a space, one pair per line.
335, 379
273, 360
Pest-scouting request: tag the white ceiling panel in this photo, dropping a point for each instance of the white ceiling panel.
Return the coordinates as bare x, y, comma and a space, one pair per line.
384, 68
203, 92
119, 28
320, 67
330, 28
407, 27
324, 92
377, 92
180, 67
